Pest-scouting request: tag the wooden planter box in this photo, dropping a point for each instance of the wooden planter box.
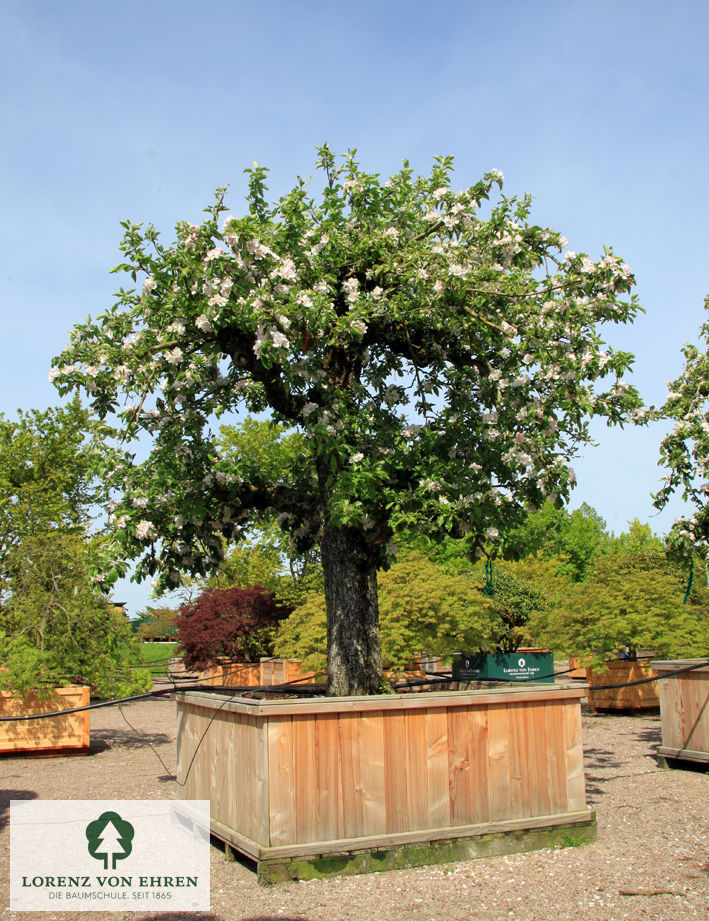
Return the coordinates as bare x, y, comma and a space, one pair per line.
267, 672
684, 713
618, 671
576, 671
352, 784
53, 735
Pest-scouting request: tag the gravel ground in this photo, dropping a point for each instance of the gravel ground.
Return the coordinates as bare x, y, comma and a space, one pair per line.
651, 860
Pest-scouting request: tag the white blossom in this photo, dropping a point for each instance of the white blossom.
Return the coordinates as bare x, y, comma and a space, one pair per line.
145, 530
279, 340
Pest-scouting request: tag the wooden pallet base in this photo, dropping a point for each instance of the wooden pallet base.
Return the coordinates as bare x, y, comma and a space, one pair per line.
396, 853
419, 854
682, 757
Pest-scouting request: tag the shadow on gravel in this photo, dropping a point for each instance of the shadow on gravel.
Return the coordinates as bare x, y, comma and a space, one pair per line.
651, 736
6, 796
104, 739
597, 763
200, 916
185, 916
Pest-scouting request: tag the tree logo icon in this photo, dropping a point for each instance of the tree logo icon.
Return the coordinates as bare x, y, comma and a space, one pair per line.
522, 663
110, 839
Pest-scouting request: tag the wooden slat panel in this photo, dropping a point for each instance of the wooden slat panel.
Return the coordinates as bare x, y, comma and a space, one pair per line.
555, 756
539, 802
575, 786
637, 697
416, 771
395, 791
326, 732
259, 759
480, 765
351, 817
498, 734
701, 683
307, 801
439, 805
281, 784
373, 773
519, 760
459, 765
697, 710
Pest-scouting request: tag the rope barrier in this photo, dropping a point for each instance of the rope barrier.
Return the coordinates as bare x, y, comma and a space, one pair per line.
313, 690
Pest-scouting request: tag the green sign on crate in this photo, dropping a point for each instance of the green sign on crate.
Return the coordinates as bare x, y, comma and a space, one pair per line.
512, 666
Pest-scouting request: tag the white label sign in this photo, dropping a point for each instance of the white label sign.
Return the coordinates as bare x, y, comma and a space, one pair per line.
109, 855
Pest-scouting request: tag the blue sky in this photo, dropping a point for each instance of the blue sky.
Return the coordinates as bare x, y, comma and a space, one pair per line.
139, 110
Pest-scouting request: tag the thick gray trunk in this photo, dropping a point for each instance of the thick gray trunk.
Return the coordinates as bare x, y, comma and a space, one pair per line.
354, 654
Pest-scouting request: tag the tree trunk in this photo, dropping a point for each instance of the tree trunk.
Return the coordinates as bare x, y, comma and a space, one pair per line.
354, 653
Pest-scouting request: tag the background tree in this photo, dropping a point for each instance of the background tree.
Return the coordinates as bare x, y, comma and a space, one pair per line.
235, 623
632, 598
49, 465
424, 608
575, 538
685, 450
439, 357
156, 624
57, 629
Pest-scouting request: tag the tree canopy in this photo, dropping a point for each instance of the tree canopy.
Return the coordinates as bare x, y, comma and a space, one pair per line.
631, 598
236, 623
57, 629
685, 450
438, 354
49, 466
573, 538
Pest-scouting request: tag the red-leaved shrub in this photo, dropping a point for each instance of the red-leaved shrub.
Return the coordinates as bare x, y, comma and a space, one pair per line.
237, 623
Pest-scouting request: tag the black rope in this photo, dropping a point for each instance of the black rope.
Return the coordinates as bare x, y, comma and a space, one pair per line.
314, 690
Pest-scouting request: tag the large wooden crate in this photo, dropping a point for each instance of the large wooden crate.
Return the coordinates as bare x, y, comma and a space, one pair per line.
684, 711
56, 734
637, 697
417, 778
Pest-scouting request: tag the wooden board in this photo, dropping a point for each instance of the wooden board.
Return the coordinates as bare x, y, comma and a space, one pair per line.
684, 706
290, 773
638, 697
57, 733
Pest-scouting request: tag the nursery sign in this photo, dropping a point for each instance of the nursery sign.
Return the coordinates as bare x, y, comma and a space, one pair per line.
98, 855
526, 665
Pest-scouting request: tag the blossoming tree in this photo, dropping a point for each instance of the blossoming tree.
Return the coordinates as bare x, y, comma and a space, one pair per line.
438, 354
685, 450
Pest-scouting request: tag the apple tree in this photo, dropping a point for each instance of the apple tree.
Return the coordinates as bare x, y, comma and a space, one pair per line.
438, 353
